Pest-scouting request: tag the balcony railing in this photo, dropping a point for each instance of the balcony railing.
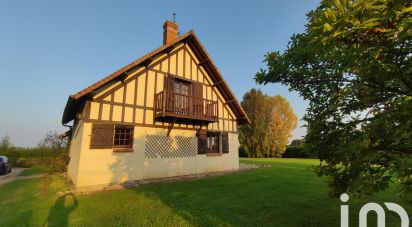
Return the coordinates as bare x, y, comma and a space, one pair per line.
169, 104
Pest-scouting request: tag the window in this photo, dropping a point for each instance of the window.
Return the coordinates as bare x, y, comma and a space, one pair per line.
213, 142
182, 87
213, 145
123, 137
182, 94
108, 136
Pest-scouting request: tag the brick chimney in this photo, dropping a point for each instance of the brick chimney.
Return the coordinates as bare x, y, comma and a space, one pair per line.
170, 31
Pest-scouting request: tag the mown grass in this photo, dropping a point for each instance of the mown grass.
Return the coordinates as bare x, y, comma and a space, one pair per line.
32, 171
286, 194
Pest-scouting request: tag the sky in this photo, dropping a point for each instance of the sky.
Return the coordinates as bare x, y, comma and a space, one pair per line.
51, 49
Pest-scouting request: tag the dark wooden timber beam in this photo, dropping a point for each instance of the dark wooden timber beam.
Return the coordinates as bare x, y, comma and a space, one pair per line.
231, 101
171, 124
203, 61
200, 128
169, 49
122, 77
147, 62
189, 38
217, 83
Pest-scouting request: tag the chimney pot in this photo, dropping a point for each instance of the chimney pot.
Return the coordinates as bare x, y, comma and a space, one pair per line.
170, 31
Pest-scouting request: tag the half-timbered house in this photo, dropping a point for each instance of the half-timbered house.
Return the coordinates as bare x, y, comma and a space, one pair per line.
169, 113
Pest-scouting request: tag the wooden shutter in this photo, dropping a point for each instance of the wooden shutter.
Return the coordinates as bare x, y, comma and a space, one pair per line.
225, 142
102, 136
202, 142
197, 93
197, 90
170, 83
169, 89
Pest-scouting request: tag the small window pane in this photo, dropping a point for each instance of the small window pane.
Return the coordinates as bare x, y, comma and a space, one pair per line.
213, 145
123, 137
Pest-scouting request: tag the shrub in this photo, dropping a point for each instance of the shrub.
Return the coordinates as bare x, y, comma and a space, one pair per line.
242, 152
295, 152
51, 154
51, 159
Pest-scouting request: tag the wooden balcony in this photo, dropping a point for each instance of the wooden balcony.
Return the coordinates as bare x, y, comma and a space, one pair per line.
171, 106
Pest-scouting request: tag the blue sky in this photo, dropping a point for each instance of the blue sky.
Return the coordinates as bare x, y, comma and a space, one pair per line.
51, 49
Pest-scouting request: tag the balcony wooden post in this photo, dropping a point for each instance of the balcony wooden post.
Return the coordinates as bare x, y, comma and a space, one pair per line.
154, 105
164, 103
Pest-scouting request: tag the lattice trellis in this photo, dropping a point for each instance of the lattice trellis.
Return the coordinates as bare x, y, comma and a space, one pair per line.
157, 146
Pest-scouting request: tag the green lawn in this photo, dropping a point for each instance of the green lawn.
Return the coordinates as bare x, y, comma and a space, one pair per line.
32, 171
286, 194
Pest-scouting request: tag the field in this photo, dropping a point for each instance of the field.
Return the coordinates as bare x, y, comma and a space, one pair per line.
286, 194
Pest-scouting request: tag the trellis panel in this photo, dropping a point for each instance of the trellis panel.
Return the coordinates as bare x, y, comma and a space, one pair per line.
159, 146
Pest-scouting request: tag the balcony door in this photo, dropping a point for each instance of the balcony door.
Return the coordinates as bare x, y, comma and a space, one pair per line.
182, 94
184, 97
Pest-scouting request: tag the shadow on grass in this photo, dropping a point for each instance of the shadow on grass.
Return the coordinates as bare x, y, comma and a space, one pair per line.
286, 194
197, 207
24, 219
263, 197
247, 198
59, 213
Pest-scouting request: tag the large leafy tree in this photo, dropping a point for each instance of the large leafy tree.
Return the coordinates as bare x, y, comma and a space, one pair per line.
353, 64
282, 122
252, 137
273, 121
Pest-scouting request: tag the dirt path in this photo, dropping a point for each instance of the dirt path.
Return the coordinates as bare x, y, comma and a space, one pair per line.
14, 175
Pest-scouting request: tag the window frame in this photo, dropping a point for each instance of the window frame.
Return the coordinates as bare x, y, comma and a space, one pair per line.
124, 147
107, 132
212, 136
183, 86
182, 90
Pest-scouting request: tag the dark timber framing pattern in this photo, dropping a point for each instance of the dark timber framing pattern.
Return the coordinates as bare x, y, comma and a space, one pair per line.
77, 102
208, 86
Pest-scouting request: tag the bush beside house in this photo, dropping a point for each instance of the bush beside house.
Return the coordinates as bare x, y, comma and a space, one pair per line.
50, 154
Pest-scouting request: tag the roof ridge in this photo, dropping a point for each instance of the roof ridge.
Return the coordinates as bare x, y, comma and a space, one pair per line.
76, 100
128, 66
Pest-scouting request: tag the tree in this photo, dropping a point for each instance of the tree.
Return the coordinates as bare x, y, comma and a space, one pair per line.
5, 143
52, 140
297, 142
282, 122
353, 65
272, 120
253, 137
296, 149
59, 162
